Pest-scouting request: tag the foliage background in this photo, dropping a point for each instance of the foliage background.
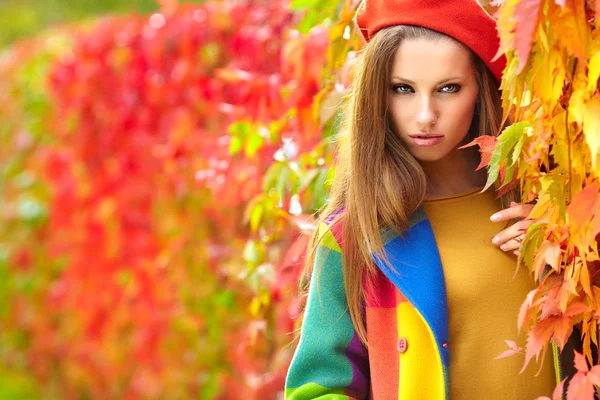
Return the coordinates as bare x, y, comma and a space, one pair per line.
158, 166
160, 162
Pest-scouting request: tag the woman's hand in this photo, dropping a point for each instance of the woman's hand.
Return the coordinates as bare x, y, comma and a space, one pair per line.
510, 239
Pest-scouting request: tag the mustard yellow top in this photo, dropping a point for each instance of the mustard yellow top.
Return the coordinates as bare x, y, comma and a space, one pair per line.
483, 302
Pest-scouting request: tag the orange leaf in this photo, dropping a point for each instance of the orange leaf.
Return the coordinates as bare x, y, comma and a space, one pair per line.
538, 339
527, 16
571, 25
525, 310
562, 330
576, 308
233, 75
486, 145
581, 208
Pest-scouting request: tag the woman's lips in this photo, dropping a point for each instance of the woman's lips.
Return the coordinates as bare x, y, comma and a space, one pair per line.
426, 140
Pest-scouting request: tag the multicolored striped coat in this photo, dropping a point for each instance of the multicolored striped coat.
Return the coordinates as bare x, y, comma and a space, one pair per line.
406, 319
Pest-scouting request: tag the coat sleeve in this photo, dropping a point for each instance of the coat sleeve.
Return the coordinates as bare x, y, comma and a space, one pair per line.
330, 361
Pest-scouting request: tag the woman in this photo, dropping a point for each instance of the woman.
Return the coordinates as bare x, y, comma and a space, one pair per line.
410, 296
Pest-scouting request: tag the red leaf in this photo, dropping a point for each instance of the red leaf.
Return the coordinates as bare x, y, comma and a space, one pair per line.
527, 15
558, 390
486, 145
580, 362
594, 375
580, 388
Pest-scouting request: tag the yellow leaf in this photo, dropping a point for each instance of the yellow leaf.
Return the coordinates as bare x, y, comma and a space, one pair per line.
560, 147
549, 75
577, 99
540, 207
593, 72
506, 26
585, 280
591, 126
570, 27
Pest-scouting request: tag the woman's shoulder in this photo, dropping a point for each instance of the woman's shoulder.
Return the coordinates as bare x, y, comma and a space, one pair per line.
331, 230
333, 225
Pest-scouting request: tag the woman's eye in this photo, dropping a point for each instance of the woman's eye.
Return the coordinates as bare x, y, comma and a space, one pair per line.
402, 89
453, 88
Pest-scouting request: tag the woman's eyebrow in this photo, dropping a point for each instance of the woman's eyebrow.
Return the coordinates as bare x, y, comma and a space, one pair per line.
455, 78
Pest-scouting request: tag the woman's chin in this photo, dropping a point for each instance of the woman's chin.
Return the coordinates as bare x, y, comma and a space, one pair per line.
428, 156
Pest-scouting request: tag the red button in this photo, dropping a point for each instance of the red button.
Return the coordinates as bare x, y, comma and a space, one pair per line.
402, 345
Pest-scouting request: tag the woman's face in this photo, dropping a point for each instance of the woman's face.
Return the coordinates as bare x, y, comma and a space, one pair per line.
432, 96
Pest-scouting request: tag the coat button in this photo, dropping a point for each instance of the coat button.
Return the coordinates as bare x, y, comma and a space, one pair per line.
402, 345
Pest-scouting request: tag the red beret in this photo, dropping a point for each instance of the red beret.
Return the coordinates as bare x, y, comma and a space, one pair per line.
464, 20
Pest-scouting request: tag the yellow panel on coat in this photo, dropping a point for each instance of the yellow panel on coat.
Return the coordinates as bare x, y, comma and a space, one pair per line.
421, 371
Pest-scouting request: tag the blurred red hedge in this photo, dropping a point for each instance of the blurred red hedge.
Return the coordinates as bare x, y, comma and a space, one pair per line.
152, 251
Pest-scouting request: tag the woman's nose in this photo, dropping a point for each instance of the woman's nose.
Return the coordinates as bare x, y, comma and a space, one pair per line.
426, 115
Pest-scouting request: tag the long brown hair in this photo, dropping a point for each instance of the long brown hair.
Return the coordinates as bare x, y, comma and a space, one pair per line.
377, 180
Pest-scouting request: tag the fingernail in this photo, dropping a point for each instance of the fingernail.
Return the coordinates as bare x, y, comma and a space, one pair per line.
494, 217
495, 240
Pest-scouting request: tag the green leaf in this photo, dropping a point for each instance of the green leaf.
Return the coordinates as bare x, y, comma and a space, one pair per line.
507, 141
32, 211
256, 216
253, 252
253, 143
235, 146
533, 239
300, 4
282, 181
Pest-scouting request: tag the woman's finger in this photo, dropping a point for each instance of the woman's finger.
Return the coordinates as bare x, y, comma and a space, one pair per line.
516, 211
513, 244
511, 232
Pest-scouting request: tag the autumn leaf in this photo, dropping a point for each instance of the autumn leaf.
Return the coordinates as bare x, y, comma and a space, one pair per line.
549, 76
538, 338
582, 204
486, 145
506, 27
507, 141
525, 309
591, 124
571, 25
513, 349
527, 16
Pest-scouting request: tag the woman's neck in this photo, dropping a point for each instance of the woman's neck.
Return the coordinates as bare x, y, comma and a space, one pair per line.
454, 174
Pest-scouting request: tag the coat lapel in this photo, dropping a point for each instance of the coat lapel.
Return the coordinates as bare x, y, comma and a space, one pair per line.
417, 272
